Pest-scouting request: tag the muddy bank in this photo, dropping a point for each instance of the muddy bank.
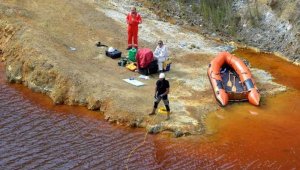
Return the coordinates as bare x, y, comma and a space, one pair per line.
54, 52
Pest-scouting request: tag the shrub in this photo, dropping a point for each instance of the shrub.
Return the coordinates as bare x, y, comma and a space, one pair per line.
218, 13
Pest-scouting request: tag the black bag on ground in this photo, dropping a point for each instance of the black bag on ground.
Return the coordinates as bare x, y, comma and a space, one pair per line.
143, 71
114, 54
122, 62
151, 69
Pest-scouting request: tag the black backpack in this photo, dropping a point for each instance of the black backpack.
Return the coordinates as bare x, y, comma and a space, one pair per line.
151, 69
114, 54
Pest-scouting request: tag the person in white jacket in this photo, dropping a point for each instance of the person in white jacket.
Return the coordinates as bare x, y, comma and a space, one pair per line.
161, 54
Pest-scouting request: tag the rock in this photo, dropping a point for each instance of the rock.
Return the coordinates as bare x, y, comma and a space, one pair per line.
113, 121
135, 123
178, 133
93, 104
191, 46
182, 44
58, 96
47, 66
107, 117
228, 48
179, 22
14, 73
154, 129
272, 3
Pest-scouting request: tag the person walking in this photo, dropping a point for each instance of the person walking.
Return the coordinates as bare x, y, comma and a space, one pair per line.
160, 54
133, 20
161, 93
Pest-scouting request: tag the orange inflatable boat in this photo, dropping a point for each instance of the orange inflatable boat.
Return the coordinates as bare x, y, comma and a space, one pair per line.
231, 80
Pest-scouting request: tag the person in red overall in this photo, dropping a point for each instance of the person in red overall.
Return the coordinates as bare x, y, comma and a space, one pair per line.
133, 20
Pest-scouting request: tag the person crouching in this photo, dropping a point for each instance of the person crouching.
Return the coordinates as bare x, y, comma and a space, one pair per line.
161, 54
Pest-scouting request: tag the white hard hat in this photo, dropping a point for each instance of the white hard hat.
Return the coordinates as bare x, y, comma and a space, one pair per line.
111, 49
162, 75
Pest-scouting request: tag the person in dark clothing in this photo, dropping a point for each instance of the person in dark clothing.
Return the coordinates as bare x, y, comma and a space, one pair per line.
161, 93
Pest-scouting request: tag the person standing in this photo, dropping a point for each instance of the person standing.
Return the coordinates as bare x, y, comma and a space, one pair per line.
133, 20
161, 54
161, 93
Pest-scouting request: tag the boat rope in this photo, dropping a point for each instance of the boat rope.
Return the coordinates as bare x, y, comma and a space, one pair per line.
141, 144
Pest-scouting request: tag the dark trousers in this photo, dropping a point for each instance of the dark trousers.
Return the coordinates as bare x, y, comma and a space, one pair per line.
165, 100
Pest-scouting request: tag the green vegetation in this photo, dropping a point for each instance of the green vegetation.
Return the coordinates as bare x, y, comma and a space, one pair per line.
253, 13
217, 13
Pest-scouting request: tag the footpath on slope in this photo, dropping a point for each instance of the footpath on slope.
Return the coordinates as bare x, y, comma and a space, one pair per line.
50, 48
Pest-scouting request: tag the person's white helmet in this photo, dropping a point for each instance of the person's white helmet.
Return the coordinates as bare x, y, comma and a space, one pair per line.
111, 49
162, 75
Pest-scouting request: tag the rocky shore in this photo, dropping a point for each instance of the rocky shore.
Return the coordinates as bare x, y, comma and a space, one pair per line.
269, 25
50, 48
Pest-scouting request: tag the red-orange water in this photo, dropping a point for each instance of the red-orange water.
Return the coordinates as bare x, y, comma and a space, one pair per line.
34, 134
283, 71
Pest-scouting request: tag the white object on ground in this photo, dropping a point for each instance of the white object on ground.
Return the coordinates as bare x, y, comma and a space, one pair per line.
134, 82
144, 77
111, 49
72, 48
253, 112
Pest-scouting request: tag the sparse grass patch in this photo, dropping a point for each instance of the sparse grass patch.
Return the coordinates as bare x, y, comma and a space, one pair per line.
254, 16
218, 14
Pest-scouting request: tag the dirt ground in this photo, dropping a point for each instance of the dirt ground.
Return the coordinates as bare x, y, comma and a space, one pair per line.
50, 48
